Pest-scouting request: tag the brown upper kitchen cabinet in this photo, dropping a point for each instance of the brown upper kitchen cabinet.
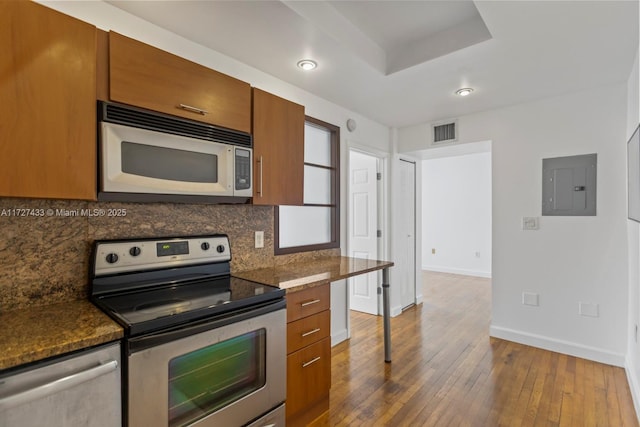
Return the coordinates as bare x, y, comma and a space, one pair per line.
151, 78
278, 150
48, 108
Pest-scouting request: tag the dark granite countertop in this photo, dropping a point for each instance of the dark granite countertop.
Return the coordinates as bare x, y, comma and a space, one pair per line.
302, 275
37, 333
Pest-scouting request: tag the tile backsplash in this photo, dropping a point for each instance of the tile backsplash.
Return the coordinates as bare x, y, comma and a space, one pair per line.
46, 244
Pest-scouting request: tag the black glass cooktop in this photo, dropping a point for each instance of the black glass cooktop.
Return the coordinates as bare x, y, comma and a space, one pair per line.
148, 310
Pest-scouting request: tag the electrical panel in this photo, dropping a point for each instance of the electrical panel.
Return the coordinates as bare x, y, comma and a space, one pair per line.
569, 185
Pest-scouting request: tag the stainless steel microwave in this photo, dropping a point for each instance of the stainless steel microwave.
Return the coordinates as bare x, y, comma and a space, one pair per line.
147, 153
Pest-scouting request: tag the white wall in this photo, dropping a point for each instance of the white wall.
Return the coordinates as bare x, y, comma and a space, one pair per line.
456, 214
570, 259
633, 234
368, 132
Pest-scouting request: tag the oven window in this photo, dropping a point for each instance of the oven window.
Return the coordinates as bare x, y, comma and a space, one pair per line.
205, 380
169, 163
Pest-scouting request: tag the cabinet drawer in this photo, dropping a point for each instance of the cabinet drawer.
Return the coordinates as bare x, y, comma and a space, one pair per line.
308, 376
305, 303
148, 77
308, 330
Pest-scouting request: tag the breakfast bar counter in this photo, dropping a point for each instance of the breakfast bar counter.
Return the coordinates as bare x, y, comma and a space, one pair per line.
299, 276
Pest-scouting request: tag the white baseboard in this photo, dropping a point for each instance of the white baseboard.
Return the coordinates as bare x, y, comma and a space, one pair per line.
338, 337
419, 299
396, 311
559, 346
632, 379
462, 271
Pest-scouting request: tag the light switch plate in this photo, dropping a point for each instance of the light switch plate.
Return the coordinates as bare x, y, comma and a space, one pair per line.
530, 223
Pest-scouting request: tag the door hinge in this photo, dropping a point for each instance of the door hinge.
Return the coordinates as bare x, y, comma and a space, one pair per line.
379, 233
379, 176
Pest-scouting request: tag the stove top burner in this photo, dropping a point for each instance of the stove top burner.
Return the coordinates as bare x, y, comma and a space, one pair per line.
159, 291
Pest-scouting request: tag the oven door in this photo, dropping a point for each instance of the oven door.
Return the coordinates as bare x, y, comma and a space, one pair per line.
143, 161
226, 372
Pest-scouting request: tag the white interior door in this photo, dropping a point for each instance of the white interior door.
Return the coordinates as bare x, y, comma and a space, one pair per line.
407, 233
363, 226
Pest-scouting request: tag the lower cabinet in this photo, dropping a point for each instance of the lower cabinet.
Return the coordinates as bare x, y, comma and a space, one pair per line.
308, 355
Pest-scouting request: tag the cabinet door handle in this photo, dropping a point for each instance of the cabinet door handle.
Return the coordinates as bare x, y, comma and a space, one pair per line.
310, 362
261, 162
56, 386
306, 334
315, 301
193, 109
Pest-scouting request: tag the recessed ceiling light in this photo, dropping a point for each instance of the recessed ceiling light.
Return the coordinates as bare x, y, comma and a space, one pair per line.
464, 91
307, 64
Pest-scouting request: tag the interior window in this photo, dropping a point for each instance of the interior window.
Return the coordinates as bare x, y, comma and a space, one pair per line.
316, 224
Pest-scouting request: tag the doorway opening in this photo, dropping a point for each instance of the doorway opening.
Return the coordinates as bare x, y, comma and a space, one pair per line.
456, 214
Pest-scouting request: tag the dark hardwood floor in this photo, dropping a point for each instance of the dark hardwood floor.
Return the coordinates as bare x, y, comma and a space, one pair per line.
446, 371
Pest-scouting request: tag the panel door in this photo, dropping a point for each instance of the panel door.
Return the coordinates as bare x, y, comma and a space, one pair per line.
407, 233
363, 226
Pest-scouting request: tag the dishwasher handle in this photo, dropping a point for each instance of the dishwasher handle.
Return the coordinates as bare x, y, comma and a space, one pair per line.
56, 386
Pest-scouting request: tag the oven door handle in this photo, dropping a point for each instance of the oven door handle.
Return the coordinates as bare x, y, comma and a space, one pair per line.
137, 344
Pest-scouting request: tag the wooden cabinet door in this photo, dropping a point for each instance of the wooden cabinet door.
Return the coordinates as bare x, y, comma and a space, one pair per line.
278, 150
148, 77
308, 380
48, 109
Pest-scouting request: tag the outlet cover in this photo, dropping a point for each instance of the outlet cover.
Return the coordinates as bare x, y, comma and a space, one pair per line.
530, 298
259, 239
588, 309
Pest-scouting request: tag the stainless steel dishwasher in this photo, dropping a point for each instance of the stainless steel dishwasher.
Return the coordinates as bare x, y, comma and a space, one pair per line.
82, 389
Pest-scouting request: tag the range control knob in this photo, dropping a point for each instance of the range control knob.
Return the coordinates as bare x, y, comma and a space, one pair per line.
134, 251
220, 249
205, 246
112, 258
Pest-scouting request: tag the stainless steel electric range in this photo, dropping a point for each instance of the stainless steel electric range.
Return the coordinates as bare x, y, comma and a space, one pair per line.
201, 348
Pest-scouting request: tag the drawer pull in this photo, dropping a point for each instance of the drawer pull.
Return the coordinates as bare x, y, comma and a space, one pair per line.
193, 109
306, 334
310, 362
315, 301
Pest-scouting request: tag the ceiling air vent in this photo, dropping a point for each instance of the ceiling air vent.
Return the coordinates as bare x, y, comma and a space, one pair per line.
444, 133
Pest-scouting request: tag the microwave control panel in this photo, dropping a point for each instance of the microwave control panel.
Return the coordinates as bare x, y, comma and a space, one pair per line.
243, 168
